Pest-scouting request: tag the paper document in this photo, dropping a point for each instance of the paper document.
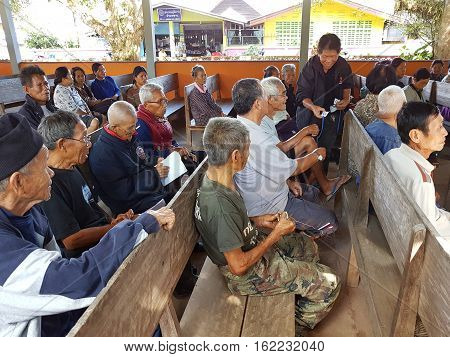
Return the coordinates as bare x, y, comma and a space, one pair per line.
176, 168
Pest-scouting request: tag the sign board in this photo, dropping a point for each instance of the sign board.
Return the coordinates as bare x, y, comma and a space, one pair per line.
169, 14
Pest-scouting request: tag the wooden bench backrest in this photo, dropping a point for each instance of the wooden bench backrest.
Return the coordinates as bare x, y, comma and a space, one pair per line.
169, 82
437, 93
398, 215
11, 91
137, 294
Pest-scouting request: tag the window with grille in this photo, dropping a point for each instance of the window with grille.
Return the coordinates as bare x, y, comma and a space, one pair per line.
353, 33
288, 34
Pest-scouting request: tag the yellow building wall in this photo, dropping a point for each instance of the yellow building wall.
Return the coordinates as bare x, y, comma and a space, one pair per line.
322, 16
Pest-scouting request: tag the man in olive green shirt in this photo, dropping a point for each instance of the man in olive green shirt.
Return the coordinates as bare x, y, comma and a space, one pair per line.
252, 262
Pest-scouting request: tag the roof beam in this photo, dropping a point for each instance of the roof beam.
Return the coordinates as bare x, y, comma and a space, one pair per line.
304, 40
10, 35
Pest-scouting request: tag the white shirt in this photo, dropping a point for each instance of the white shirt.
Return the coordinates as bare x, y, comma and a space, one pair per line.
262, 183
268, 125
404, 162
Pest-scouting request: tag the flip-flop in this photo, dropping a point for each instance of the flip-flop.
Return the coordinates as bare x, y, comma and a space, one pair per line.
339, 183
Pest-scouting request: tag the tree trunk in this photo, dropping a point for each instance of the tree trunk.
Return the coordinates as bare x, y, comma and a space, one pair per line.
443, 40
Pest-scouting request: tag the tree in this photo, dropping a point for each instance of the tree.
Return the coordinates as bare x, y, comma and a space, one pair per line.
119, 22
40, 40
422, 20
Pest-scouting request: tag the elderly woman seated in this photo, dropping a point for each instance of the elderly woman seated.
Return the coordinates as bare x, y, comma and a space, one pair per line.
131, 91
422, 133
94, 104
154, 130
380, 77
67, 98
202, 104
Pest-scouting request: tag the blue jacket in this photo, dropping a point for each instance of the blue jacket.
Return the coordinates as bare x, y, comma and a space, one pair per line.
40, 291
124, 180
383, 135
106, 88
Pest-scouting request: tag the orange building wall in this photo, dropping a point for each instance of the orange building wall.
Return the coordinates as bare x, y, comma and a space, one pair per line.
230, 71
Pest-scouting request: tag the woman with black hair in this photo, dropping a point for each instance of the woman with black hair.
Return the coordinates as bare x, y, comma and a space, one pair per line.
97, 106
399, 65
271, 71
382, 76
201, 103
323, 92
66, 97
131, 91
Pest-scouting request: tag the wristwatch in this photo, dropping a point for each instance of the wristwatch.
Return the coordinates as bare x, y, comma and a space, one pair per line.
319, 157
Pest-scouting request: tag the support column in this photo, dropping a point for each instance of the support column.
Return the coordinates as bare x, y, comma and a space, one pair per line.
10, 35
149, 39
304, 40
171, 39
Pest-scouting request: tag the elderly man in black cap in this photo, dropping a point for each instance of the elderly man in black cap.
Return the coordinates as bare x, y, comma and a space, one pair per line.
37, 100
42, 293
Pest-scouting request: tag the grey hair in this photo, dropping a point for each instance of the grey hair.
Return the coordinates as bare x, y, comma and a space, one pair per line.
286, 68
272, 85
221, 137
24, 170
391, 100
57, 126
147, 90
119, 112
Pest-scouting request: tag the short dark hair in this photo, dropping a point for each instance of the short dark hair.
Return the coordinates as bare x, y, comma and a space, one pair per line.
380, 77
27, 73
197, 68
329, 41
244, 94
422, 73
383, 62
437, 61
96, 66
269, 71
60, 73
414, 115
397, 61
75, 69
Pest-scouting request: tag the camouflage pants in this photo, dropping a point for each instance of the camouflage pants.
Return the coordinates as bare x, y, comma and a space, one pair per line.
291, 266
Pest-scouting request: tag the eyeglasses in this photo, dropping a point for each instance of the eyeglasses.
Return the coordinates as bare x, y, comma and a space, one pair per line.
161, 101
283, 94
86, 140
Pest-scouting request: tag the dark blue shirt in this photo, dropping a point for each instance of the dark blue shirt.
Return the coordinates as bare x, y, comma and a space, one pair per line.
106, 88
383, 135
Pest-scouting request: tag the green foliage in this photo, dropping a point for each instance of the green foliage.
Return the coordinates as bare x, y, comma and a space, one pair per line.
18, 5
40, 41
253, 50
421, 53
422, 19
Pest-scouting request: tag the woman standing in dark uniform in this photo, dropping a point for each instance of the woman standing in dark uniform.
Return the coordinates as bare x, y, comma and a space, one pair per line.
323, 92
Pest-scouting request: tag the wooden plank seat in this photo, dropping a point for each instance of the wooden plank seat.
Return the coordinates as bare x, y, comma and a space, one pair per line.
403, 266
213, 85
213, 310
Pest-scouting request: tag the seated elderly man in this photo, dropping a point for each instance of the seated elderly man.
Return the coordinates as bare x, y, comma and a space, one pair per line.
252, 262
37, 100
422, 133
265, 181
75, 218
300, 143
41, 292
383, 130
125, 178
154, 130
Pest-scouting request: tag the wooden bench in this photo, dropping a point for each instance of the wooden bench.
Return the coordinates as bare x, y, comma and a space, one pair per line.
139, 295
170, 84
402, 266
213, 85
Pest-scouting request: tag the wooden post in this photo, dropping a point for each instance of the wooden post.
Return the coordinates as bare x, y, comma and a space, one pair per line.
365, 189
408, 297
10, 35
170, 326
149, 39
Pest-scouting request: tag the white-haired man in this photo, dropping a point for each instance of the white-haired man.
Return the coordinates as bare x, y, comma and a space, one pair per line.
383, 130
120, 166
